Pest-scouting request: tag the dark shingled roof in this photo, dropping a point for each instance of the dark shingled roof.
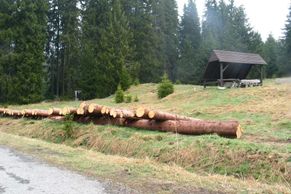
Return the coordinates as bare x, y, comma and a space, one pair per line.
237, 57
239, 64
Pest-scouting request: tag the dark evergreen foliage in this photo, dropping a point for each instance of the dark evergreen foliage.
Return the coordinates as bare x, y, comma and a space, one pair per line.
22, 41
51, 48
190, 66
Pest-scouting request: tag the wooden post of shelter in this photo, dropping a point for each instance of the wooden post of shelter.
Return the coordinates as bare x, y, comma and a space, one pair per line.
221, 75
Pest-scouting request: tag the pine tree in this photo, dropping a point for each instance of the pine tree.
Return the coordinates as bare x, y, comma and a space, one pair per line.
270, 52
108, 37
189, 69
165, 14
145, 44
63, 47
285, 68
7, 56
24, 71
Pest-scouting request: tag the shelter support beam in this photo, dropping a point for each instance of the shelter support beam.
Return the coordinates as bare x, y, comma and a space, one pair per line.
261, 74
221, 75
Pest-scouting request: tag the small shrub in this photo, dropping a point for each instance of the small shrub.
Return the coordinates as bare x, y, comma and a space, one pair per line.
165, 87
119, 95
127, 98
136, 99
136, 82
68, 126
178, 82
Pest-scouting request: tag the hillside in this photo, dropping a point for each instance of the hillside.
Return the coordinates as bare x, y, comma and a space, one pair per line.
263, 154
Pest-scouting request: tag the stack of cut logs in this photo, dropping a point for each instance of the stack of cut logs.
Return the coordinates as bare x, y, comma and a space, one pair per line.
140, 118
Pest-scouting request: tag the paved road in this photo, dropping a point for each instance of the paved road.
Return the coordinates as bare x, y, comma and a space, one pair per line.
24, 174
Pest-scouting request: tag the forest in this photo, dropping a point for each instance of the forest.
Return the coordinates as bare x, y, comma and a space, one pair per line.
50, 48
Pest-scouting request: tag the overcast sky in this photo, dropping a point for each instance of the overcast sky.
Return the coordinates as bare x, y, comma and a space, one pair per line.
265, 16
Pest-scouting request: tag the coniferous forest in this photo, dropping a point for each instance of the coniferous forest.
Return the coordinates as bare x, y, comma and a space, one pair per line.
50, 48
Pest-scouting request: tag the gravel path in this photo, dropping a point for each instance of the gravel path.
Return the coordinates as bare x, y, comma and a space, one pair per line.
24, 174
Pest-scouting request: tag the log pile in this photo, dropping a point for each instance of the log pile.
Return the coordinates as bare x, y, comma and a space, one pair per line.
141, 118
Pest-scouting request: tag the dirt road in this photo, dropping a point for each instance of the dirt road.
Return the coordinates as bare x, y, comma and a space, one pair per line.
23, 174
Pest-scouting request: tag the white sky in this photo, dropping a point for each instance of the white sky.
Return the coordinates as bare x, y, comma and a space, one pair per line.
265, 16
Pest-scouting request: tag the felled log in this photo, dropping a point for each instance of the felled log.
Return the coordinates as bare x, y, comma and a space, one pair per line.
83, 110
164, 116
95, 109
122, 113
55, 112
41, 113
57, 118
192, 127
2, 110
69, 111
83, 104
142, 113
28, 113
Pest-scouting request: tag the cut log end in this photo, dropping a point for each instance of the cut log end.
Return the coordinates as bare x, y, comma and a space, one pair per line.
140, 112
83, 104
103, 110
91, 108
239, 132
80, 111
50, 111
151, 114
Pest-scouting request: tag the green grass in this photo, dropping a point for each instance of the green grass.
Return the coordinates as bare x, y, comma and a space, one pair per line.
145, 175
263, 153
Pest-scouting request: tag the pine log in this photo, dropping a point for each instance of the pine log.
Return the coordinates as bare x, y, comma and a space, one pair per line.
226, 129
83, 110
28, 113
2, 110
69, 111
57, 118
164, 116
83, 104
41, 113
55, 112
142, 113
103, 110
230, 129
95, 109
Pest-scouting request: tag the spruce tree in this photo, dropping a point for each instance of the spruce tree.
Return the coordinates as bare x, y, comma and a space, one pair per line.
165, 14
189, 69
108, 37
270, 52
285, 68
23, 61
148, 65
63, 47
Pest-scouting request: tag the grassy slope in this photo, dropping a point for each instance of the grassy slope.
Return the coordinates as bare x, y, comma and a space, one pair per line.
145, 175
263, 152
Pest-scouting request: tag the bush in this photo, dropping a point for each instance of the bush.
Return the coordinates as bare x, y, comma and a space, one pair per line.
136, 99
128, 98
136, 82
68, 127
119, 95
165, 88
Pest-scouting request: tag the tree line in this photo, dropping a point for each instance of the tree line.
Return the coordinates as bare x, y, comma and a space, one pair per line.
50, 48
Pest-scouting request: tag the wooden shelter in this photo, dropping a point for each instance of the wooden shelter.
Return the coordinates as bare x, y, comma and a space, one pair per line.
228, 66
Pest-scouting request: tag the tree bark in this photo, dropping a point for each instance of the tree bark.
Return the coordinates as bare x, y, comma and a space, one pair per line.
163, 116
226, 129
55, 112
